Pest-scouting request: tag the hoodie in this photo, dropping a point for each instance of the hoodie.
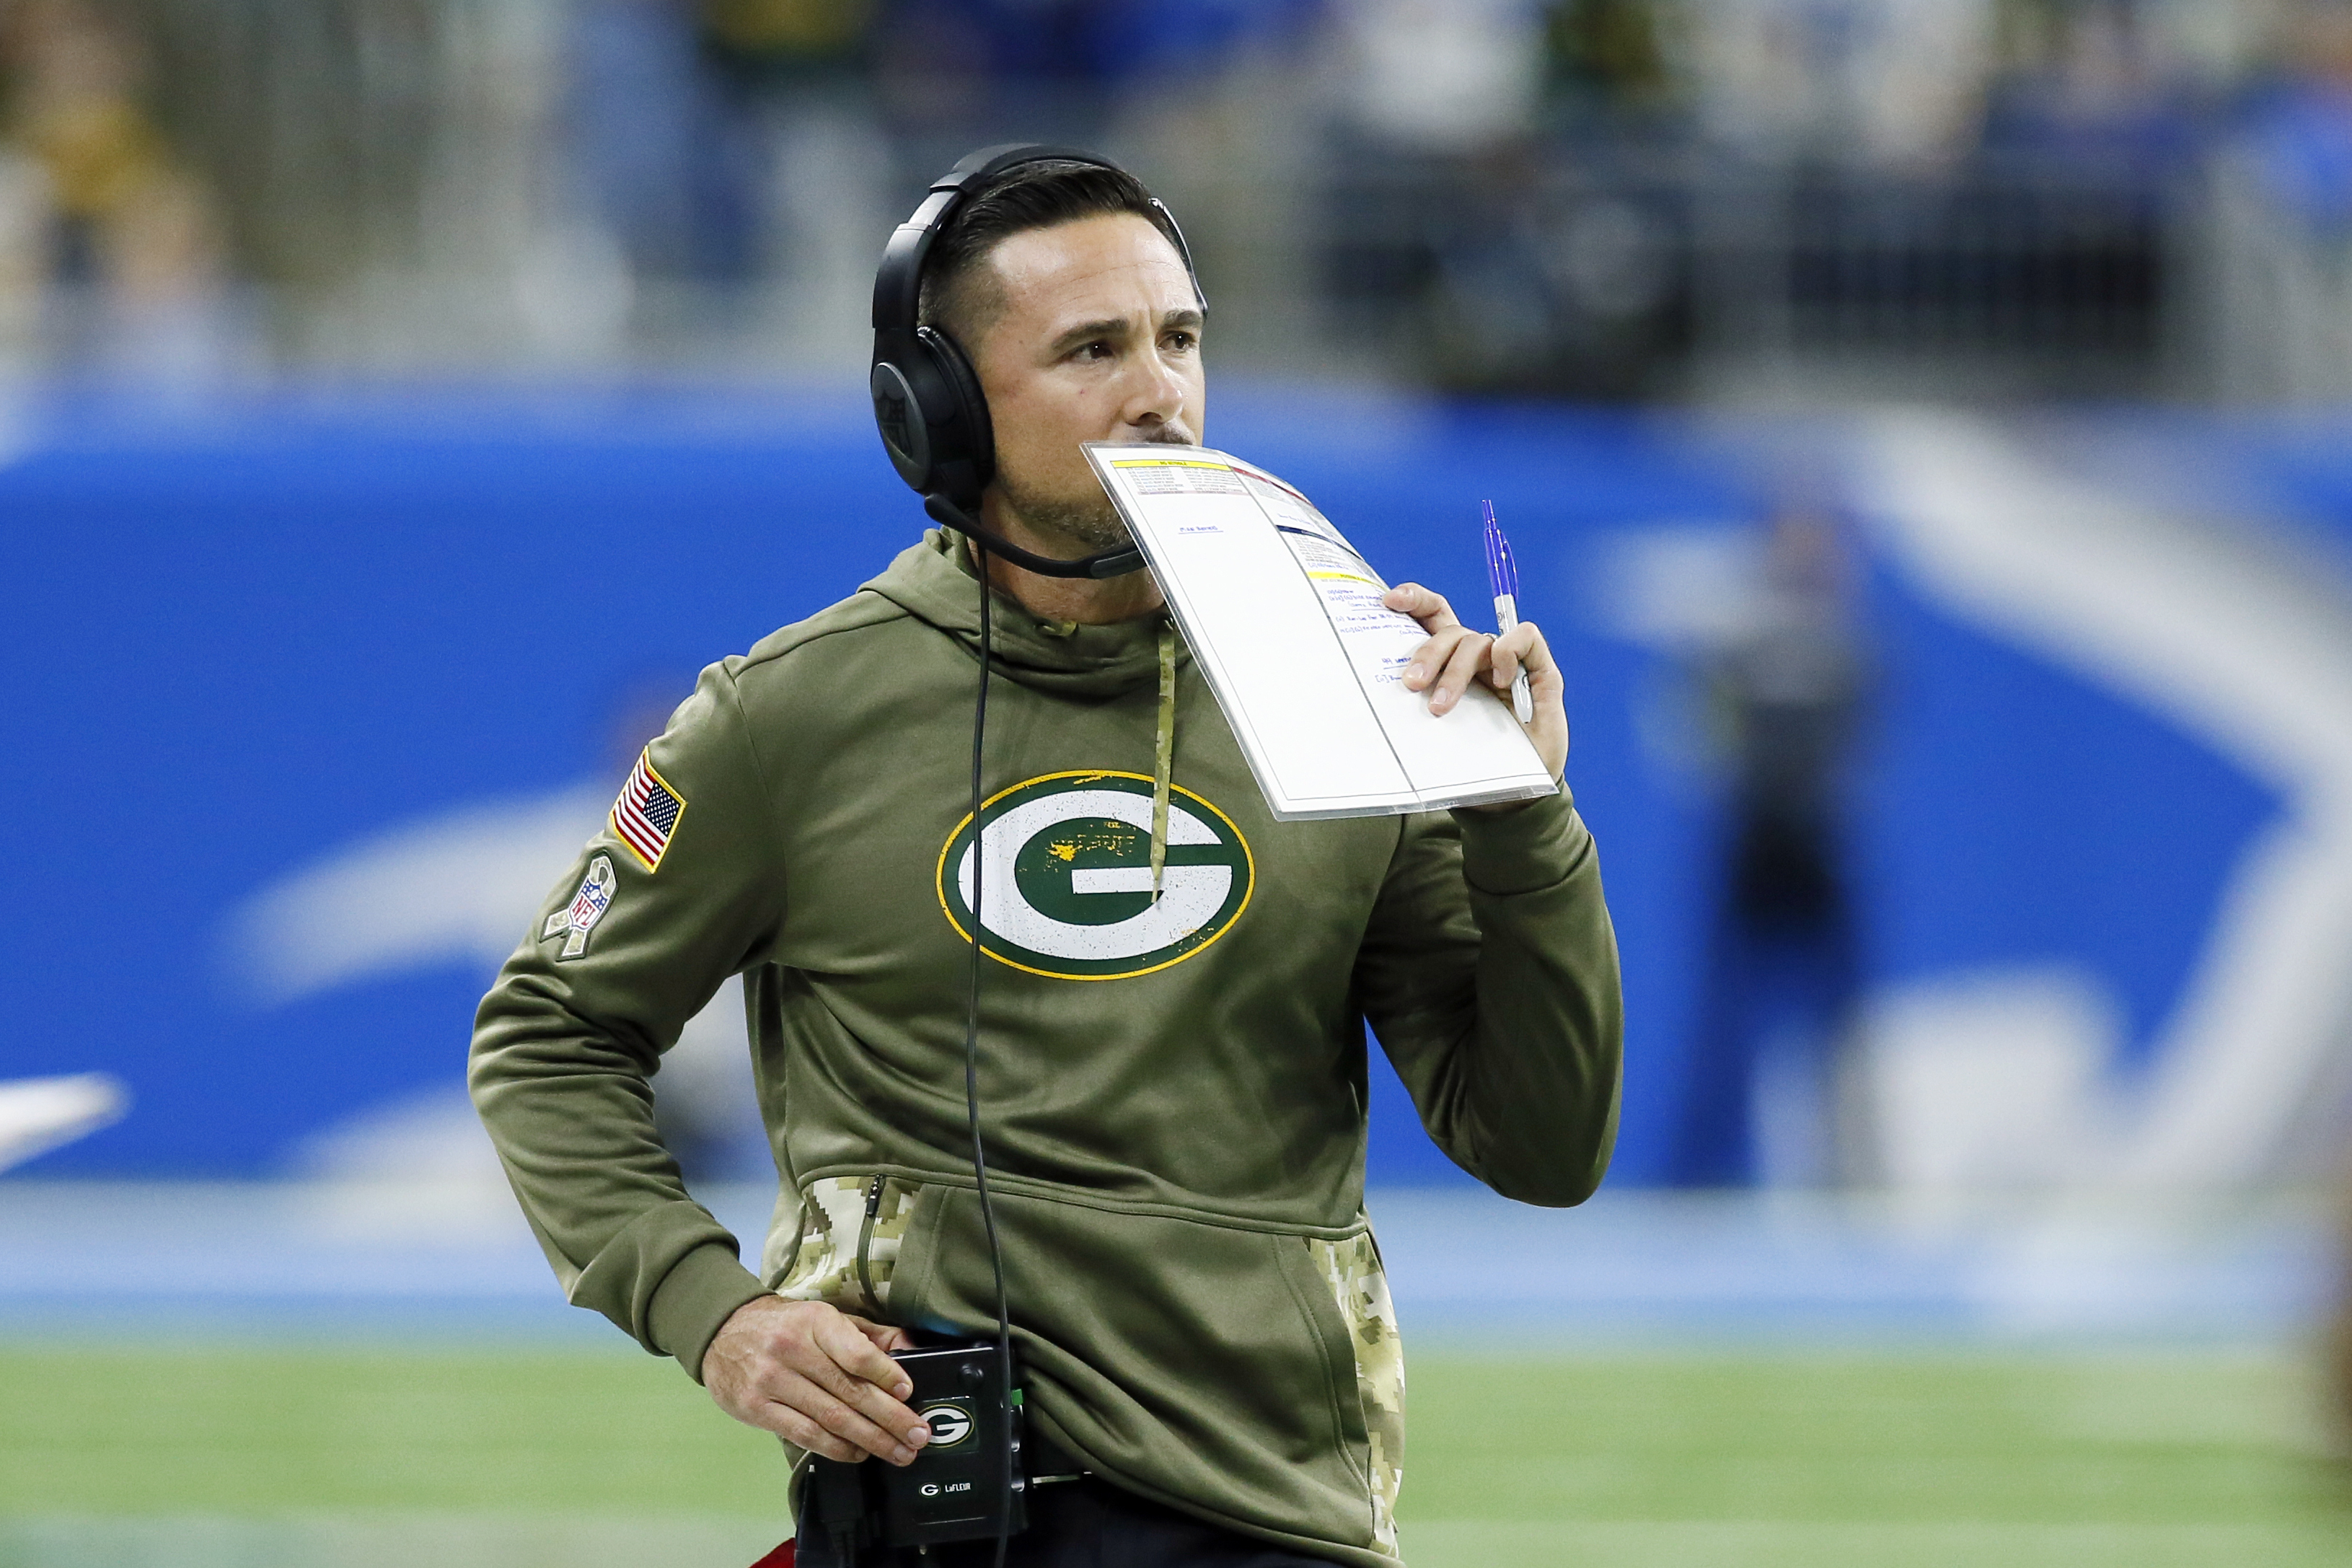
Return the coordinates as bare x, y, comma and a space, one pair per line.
1173, 1087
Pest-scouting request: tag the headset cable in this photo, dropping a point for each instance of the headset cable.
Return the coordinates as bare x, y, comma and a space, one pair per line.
971, 1065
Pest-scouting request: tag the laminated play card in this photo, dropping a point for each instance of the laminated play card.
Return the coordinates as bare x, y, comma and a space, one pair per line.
1285, 619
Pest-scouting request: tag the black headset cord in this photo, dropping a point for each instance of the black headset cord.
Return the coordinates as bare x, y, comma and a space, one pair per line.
972, 1065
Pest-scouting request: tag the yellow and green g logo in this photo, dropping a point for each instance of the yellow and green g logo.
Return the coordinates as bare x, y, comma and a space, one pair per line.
1065, 873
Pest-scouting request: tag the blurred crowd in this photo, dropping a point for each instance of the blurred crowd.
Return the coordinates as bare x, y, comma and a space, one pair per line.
1593, 198
110, 243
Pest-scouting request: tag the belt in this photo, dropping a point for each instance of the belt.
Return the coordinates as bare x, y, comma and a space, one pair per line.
1048, 1463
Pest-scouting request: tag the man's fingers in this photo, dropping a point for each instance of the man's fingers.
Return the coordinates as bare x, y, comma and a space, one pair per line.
858, 1348
861, 1378
839, 1418
1455, 657
1503, 662
1544, 674
1520, 648
1447, 663
803, 1433
1462, 667
814, 1376
804, 1430
1429, 609
1429, 660
886, 1336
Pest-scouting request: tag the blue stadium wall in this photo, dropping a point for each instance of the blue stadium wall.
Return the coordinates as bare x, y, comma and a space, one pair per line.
241, 637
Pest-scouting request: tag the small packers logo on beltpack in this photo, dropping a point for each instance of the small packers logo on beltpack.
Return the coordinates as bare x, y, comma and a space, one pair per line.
951, 1423
1067, 877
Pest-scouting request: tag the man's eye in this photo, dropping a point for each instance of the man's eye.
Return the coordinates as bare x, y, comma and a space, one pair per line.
1096, 350
1182, 342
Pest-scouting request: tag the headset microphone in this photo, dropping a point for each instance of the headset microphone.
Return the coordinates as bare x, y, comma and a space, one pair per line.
1109, 564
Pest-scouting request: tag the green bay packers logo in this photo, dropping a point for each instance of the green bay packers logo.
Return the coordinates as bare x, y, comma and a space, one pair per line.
1065, 863
950, 1424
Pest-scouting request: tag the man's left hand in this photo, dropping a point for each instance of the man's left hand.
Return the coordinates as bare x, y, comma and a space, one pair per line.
1456, 657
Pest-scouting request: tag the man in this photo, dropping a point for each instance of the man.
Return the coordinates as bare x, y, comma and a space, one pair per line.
1785, 692
1174, 1121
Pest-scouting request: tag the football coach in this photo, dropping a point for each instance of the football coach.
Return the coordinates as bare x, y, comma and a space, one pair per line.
1171, 1062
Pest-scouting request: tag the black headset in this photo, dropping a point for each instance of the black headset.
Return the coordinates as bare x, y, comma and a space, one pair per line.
927, 398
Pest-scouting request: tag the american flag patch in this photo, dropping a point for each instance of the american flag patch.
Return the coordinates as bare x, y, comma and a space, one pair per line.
647, 812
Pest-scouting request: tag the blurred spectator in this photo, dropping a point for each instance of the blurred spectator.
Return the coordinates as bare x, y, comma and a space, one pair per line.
2281, 222
2299, 129
1489, 194
957, 72
1871, 83
734, 148
24, 253
801, 133
1442, 75
2094, 97
102, 218
750, 154
1611, 54
1784, 693
651, 139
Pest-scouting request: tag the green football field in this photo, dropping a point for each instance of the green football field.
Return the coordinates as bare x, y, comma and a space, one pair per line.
424, 1458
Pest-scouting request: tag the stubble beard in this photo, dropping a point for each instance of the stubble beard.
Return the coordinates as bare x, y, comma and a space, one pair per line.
1094, 524
1092, 521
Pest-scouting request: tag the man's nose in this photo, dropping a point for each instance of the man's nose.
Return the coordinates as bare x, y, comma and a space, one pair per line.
1157, 392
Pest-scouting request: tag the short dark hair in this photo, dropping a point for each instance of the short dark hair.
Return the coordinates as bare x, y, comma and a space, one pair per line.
1043, 194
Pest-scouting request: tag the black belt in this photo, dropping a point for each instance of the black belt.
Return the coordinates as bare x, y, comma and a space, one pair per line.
1047, 1463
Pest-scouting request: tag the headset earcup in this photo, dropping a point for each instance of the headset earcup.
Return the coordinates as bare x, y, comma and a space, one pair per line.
964, 447
898, 414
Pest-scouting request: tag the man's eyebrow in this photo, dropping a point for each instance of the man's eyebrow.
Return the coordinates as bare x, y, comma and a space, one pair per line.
1108, 327
1189, 317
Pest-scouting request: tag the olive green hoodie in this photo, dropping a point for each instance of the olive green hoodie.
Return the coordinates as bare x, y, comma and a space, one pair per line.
1172, 1089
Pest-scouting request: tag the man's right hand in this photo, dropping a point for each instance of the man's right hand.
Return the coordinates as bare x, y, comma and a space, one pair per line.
816, 1377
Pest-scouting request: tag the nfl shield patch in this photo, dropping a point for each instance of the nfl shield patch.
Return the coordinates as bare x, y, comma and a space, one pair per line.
588, 907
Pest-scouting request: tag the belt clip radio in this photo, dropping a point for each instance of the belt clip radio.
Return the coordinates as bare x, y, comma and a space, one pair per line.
955, 1489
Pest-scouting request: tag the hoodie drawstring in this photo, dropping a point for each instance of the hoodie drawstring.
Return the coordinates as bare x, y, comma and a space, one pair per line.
1163, 760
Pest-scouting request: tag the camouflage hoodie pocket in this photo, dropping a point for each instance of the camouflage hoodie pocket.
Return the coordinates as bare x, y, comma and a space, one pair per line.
851, 1228
1359, 1288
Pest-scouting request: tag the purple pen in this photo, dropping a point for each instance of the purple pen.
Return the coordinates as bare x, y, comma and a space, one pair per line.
1503, 577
